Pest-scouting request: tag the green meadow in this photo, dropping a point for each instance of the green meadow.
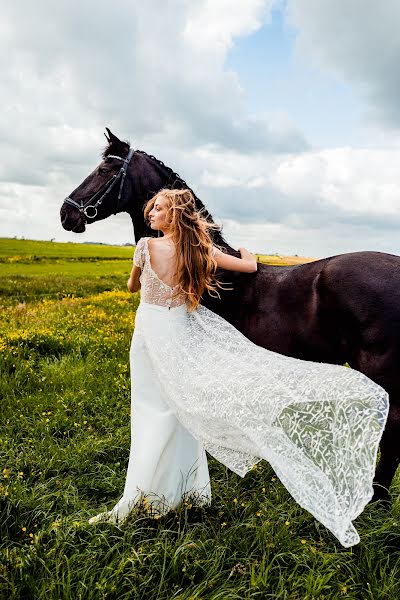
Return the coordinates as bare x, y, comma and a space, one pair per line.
66, 322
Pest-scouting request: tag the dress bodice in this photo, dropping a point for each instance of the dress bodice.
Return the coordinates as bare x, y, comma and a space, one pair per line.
153, 290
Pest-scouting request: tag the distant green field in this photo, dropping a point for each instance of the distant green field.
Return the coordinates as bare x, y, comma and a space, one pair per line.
30, 269
13, 250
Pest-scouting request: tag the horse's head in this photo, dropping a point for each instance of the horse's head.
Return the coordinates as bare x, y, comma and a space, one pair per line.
104, 192
124, 181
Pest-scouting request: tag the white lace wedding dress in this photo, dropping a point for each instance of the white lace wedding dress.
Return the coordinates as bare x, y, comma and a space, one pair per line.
199, 384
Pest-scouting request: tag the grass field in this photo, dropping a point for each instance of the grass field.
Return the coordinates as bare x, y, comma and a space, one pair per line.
65, 327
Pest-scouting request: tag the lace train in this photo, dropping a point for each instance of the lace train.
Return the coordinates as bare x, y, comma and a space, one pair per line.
317, 424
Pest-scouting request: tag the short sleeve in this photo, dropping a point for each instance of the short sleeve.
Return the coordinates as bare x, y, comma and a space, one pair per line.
138, 257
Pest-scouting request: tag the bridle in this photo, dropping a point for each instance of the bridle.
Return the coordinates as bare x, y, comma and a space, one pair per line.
88, 210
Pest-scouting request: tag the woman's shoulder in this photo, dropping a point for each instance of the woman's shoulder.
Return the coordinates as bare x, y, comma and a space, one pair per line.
160, 242
142, 242
139, 254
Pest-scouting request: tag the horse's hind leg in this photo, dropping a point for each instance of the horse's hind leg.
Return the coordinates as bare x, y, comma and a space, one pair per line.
389, 454
382, 367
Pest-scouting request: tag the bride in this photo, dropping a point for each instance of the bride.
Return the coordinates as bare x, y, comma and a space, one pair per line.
197, 383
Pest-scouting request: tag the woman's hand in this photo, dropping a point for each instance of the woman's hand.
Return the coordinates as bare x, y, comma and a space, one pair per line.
245, 254
246, 264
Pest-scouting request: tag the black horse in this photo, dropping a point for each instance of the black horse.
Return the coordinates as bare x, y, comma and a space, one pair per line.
345, 308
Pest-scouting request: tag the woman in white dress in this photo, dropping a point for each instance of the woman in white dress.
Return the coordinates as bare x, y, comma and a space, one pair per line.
198, 384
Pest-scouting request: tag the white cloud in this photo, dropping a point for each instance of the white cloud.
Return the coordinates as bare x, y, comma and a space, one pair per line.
212, 24
83, 66
317, 242
326, 202
360, 182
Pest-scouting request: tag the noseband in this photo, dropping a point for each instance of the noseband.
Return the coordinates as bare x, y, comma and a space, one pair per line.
88, 210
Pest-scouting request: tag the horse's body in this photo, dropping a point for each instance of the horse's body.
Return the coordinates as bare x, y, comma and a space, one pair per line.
345, 308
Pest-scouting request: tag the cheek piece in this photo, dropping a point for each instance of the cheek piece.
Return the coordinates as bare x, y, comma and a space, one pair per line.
89, 210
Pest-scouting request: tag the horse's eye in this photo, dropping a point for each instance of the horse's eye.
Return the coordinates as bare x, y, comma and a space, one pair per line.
103, 171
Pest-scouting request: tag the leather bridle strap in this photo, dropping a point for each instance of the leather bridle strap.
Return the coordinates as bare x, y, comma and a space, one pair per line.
88, 210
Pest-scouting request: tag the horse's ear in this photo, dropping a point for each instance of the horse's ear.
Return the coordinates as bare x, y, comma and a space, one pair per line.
112, 139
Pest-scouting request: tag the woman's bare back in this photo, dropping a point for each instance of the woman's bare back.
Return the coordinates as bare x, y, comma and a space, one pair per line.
162, 255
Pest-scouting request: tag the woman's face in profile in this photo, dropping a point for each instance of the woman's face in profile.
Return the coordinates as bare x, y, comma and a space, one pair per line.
158, 213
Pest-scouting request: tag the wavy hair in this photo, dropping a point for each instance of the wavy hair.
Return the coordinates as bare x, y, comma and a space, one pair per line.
190, 232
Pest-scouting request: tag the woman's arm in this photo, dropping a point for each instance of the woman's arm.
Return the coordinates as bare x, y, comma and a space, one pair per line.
246, 264
133, 281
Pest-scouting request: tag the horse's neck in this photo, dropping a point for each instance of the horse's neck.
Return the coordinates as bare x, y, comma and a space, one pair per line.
146, 174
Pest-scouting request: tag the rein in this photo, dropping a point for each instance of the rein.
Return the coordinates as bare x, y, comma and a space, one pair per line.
88, 210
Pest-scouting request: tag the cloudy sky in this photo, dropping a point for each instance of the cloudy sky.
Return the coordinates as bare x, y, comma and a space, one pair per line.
283, 116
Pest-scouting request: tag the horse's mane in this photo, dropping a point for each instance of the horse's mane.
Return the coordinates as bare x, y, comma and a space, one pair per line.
124, 146
175, 180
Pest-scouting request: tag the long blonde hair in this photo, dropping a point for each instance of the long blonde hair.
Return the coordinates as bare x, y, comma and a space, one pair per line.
190, 233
